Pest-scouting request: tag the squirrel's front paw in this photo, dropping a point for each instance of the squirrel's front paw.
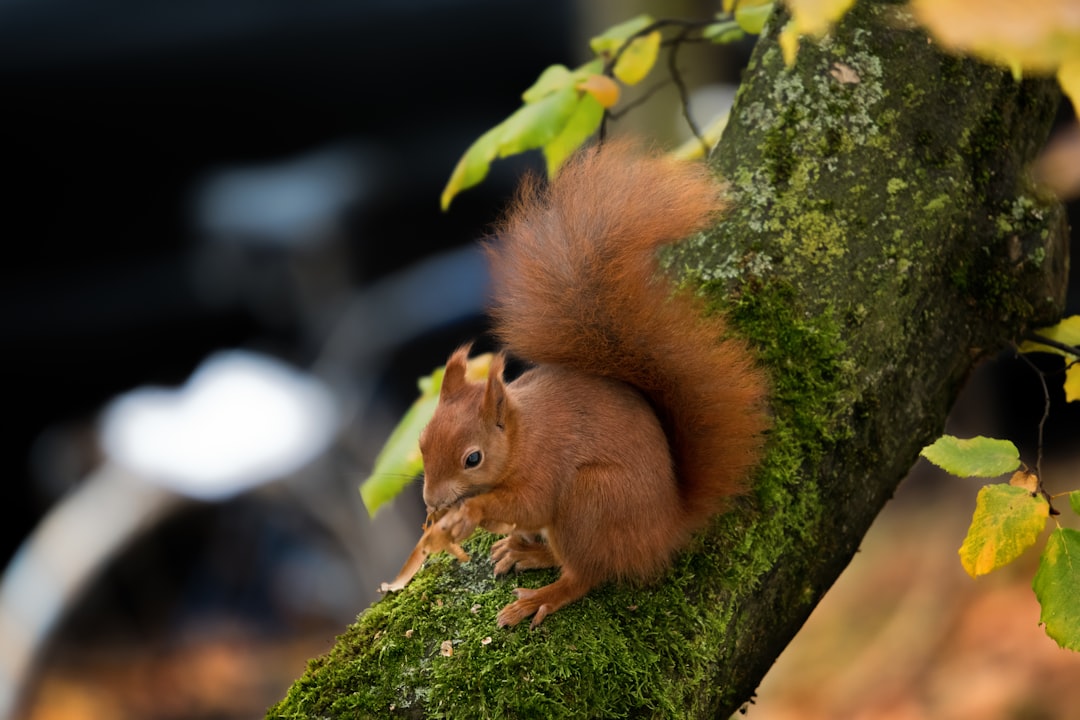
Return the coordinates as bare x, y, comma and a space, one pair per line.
515, 552
458, 522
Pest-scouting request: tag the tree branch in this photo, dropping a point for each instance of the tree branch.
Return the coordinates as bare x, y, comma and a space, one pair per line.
864, 258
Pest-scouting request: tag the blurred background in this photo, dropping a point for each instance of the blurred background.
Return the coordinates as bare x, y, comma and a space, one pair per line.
223, 231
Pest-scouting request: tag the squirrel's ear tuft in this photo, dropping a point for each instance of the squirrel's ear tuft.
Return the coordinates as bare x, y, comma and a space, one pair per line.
494, 406
454, 375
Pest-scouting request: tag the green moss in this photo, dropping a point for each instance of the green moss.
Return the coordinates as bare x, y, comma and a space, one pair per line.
616, 649
623, 649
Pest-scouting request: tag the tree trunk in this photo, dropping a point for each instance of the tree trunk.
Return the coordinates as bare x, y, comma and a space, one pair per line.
883, 238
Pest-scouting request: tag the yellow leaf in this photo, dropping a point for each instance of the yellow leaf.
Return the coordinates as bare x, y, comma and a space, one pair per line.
809, 17
1036, 36
789, 42
614, 37
1068, 76
1007, 521
1066, 332
815, 17
638, 58
601, 87
693, 148
1072, 383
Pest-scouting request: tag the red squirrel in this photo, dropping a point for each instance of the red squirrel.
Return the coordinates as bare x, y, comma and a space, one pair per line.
640, 418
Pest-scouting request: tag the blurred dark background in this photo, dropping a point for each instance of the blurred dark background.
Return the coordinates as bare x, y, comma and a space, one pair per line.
117, 116
187, 178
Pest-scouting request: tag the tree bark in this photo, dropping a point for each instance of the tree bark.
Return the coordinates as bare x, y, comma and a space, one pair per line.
883, 238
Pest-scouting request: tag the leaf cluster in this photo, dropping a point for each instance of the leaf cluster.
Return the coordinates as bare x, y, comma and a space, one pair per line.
565, 107
1010, 516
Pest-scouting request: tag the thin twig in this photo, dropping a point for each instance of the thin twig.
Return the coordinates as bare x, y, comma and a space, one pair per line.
1042, 427
640, 100
684, 94
686, 27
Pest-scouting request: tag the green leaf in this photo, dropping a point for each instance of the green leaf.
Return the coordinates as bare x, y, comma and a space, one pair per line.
399, 461
1057, 586
752, 16
974, 457
723, 32
536, 124
608, 42
1066, 332
1074, 501
1007, 521
583, 122
473, 166
555, 77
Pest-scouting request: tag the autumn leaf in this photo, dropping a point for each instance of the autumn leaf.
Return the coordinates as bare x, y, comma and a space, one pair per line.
607, 43
1035, 36
1057, 586
974, 457
601, 87
1066, 332
1072, 383
1026, 480
1068, 76
694, 148
638, 58
1006, 522
809, 17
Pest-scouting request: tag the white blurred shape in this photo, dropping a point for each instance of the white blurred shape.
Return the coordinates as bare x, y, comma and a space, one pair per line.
241, 420
284, 203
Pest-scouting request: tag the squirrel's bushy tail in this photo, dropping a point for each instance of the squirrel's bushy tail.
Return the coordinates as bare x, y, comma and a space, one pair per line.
576, 283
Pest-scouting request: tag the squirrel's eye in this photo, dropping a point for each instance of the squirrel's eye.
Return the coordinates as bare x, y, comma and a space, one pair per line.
473, 459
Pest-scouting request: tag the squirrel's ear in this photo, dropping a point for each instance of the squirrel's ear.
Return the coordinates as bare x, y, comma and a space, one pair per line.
493, 409
454, 375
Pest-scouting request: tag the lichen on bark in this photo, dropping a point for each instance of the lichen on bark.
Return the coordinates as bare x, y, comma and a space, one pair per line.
882, 237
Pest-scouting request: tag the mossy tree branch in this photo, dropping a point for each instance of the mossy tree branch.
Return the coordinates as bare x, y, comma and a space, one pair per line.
884, 238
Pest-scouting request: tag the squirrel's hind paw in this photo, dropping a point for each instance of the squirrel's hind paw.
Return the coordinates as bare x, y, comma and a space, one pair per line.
543, 601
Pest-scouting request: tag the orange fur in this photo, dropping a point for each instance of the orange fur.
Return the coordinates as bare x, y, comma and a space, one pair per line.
642, 416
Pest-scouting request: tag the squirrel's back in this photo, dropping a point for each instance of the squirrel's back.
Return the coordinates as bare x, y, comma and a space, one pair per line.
576, 283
